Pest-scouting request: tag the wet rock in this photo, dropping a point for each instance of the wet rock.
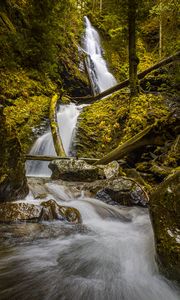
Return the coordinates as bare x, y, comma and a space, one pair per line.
46, 211
13, 212
104, 196
165, 215
73, 170
54, 211
123, 191
25, 232
37, 187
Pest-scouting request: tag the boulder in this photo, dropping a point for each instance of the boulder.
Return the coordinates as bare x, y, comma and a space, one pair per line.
165, 215
124, 191
13, 212
73, 170
46, 211
54, 211
110, 171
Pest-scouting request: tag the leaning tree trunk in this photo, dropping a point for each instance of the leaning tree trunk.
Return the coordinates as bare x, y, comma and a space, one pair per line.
58, 145
133, 59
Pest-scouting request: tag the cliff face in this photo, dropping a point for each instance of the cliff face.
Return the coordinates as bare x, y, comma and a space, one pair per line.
13, 183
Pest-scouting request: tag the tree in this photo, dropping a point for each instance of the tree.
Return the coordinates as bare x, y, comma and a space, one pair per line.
133, 59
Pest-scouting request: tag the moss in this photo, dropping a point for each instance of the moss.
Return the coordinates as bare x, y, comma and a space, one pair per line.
111, 121
13, 183
165, 208
100, 126
26, 102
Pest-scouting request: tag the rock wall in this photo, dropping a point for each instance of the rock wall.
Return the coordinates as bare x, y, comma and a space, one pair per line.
165, 215
13, 184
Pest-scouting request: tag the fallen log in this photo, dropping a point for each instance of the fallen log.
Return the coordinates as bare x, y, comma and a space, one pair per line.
58, 145
143, 138
125, 83
51, 158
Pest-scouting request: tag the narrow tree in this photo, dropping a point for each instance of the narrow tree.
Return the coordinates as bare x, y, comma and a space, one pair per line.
133, 59
160, 29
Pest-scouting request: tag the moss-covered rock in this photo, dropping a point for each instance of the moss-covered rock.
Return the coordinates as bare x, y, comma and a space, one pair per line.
14, 212
46, 211
73, 170
54, 211
112, 121
165, 214
13, 183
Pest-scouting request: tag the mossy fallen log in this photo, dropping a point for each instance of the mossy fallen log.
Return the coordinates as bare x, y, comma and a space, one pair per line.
148, 136
125, 83
58, 145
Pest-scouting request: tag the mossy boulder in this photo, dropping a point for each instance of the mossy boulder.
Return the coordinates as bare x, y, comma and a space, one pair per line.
73, 170
14, 212
53, 211
47, 211
165, 215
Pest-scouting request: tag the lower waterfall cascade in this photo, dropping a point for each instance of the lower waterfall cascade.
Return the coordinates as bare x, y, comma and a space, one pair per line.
102, 258
67, 119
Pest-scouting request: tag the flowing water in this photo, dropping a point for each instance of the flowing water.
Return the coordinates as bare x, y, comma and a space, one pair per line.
101, 78
109, 258
67, 119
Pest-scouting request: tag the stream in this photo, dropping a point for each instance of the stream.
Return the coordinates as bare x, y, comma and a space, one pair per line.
107, 257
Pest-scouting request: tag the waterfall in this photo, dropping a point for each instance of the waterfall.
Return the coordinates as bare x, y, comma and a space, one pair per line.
101, 78
67, 118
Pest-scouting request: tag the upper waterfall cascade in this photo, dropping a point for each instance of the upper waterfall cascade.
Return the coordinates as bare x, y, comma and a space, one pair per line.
101, 78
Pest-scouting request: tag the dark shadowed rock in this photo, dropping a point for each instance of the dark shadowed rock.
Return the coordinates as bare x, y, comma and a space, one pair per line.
123, 191
165, 215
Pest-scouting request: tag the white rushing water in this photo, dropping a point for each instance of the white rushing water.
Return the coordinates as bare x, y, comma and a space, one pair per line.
67, 119
109, 259
101, 78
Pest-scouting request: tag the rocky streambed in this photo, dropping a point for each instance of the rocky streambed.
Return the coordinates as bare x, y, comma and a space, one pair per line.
53, 207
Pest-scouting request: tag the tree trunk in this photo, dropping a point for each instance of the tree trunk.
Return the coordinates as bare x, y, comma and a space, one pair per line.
119, 86
160, 30
58, 145
143, 138
133, 59
100, 5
